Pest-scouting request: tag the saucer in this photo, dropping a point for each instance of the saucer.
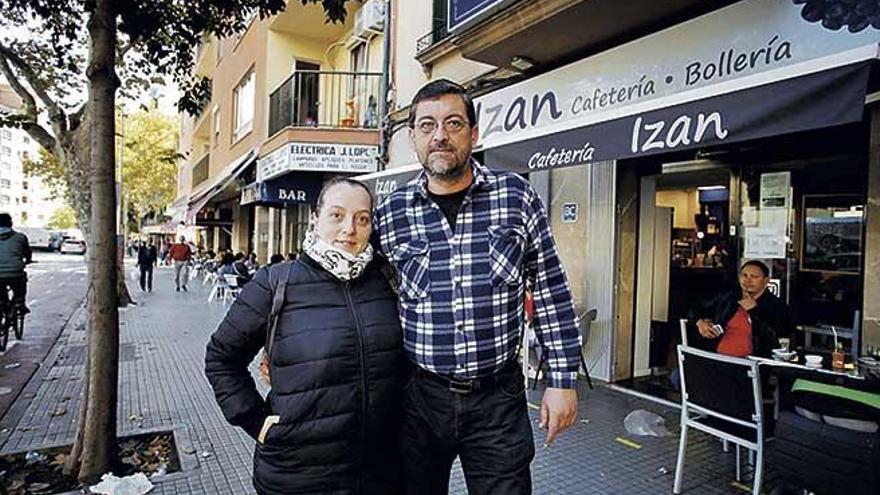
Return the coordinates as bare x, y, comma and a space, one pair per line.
784, 355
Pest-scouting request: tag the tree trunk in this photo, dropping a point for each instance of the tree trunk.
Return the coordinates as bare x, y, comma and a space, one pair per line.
99, 437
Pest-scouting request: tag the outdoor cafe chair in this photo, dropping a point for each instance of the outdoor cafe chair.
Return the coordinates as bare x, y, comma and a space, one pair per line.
584, 337
721, 396
232, 288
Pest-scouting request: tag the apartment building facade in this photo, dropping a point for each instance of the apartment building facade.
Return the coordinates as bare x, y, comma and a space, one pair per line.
293, 100
26, 198
657, 131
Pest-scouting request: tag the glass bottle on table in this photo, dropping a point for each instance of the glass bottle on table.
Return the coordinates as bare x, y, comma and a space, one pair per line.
838, 357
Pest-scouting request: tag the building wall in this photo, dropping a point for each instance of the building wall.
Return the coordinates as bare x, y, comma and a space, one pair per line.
269, 48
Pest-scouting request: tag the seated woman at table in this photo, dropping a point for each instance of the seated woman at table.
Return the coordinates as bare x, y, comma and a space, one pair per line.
752, 318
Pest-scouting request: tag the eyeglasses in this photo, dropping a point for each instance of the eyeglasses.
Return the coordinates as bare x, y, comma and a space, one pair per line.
451, 126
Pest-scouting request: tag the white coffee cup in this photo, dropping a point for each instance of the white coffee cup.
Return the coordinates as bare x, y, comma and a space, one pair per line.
813, 360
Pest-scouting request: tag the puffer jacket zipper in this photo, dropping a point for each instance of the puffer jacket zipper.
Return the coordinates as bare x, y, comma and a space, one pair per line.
362, 358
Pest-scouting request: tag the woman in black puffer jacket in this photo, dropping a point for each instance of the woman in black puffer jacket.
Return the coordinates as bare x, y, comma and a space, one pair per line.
329, 423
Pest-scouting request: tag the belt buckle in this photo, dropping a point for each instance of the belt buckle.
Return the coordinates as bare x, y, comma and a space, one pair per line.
463, 387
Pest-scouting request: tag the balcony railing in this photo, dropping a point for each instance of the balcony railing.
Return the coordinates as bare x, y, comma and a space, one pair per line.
438, 34
200, 170
326, 99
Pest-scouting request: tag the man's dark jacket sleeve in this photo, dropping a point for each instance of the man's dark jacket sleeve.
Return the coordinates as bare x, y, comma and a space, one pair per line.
239, 338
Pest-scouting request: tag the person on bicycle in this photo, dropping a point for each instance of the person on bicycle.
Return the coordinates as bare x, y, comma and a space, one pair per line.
15, 253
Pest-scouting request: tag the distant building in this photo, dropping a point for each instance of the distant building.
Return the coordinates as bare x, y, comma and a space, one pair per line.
27, 199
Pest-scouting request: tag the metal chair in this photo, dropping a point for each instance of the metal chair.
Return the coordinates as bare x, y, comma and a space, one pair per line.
721, 396
584, 337
232, 288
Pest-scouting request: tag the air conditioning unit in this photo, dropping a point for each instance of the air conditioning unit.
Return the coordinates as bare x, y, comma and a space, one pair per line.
370, 19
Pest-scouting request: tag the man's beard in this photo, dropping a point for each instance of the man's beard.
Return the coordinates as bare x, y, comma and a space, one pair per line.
446, 173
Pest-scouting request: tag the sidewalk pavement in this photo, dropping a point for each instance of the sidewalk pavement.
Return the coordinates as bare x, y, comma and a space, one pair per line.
56, 288
162, 387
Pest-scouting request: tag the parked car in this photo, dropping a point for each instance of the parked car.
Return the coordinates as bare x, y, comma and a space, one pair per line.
73, 246
38, 238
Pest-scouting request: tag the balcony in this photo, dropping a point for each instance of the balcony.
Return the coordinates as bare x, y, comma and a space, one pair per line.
430, 40
205, 55
200, 171
327, 100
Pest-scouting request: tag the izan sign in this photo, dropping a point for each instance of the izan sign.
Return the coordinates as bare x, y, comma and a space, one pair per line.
745, 45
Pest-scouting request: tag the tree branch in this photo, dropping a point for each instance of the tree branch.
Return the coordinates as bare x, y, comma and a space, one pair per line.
56, 114
40, 135
29, 119
30, 105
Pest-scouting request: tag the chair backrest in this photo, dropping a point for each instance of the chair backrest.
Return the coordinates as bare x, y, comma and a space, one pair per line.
684, 331
720, 385
231, 280
586, 321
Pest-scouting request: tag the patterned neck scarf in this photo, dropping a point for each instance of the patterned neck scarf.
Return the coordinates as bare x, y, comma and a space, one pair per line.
341, 264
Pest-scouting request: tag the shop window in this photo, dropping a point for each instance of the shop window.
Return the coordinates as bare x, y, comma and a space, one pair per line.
832, 233
244, 97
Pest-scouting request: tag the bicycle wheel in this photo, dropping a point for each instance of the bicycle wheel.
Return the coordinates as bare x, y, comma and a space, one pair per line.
18, 324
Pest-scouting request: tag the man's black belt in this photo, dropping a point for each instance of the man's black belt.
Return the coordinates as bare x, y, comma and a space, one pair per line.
467, 386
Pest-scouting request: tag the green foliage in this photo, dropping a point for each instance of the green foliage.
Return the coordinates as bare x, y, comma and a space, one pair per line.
149, 161
62, 218
47, 167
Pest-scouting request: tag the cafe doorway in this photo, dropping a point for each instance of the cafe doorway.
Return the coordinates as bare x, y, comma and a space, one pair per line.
686, 251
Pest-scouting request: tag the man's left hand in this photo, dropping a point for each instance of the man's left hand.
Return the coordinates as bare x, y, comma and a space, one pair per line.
559, 410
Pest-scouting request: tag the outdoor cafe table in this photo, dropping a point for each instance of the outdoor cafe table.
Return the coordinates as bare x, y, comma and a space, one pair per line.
787, 372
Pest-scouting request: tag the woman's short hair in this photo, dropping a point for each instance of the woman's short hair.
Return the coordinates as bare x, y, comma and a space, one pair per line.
759, 264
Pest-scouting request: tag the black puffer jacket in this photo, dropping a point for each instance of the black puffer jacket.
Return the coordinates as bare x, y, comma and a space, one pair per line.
337, 368
771, 319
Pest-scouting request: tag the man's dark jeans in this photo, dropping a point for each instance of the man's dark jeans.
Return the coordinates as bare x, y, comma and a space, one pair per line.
146, 277
489, 430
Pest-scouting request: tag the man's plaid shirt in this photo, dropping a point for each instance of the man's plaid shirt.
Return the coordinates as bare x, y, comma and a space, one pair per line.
462, 292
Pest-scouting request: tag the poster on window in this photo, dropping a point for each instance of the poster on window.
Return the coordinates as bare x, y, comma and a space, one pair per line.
765, 243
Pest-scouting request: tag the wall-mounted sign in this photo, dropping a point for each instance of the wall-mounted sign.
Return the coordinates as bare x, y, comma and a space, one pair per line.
765, 243
384, 183
569, 213
461, 12
744, 45
290, 188
318, 157
836, 96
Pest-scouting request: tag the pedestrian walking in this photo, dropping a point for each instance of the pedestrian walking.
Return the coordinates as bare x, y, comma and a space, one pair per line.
464, 240
330, 422
147, 258
180, 253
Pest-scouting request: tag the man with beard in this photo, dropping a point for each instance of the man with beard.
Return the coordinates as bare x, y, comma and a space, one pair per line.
464, 240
